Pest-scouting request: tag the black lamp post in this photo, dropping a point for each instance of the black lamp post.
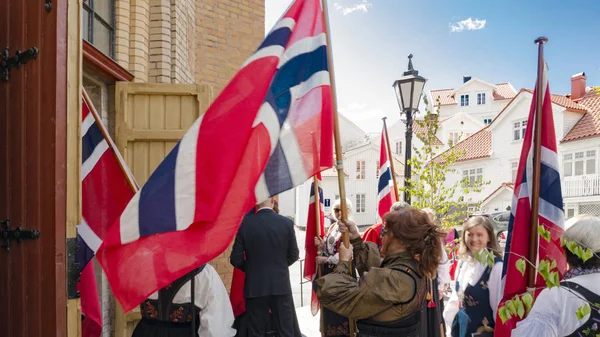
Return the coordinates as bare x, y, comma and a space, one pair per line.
409, 89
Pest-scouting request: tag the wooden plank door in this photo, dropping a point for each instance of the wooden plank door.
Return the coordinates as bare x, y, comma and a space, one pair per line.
150, 119
33, 170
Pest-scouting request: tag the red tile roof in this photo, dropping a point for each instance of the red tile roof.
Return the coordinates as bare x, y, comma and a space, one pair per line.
509, 185
421, 131
476, 146
589, 125
564, 101
502, 91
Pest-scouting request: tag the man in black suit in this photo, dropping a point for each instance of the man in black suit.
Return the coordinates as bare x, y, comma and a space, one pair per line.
269, 243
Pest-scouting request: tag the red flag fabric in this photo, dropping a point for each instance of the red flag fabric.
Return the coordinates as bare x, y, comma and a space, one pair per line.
311, 251
551, 215
373, 234
236, 295
385, 189
190, 208
105, 191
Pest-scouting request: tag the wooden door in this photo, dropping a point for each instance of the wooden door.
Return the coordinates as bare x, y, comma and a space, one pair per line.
33, 170
150, 119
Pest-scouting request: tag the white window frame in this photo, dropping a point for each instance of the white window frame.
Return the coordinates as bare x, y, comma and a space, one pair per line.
474, 174
453, 138
360, 170
514, 170
399, 147
481, 98
521, 127
377, 170
572, 160
464, 100
361, 201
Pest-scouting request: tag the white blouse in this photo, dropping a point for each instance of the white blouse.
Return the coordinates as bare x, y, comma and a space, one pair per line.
470, 272
216, 314
553, 313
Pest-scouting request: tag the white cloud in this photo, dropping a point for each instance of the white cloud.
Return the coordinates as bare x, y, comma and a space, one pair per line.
362, 6
468, 24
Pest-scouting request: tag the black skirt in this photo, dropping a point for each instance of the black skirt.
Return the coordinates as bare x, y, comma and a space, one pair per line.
155, 328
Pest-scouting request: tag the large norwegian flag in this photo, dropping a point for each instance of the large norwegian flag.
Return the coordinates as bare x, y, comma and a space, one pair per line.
253, 142
385, 188
551, 214
310, 250
105, 191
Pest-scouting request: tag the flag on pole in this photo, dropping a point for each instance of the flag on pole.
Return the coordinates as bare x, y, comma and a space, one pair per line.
386, 195
551, 215
190, 208
311, 251
105, 191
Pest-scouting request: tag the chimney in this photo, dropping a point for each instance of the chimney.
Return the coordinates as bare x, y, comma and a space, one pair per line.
578, 86
466, 79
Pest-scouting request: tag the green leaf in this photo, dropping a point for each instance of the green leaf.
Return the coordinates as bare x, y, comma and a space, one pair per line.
553, 264
520, 309
504, 314
544, 233
583, 311
586, 255
490, 259
528, 300
521, 266
512, 307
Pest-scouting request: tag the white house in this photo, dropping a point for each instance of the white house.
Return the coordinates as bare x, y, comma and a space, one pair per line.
361, 169
492, 154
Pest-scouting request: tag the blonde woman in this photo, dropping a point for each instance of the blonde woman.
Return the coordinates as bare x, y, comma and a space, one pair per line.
474, 301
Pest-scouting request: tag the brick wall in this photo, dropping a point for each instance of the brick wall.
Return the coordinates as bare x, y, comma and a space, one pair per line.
227, 33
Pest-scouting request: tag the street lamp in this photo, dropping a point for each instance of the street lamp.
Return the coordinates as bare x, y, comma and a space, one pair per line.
409, 89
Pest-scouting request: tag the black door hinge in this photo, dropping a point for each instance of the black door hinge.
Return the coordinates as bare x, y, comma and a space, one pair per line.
48, 5
18, 234
7, 62
73, 271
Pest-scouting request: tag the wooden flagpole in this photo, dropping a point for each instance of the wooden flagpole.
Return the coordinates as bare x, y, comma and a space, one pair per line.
537, 165
339, 163
390, 158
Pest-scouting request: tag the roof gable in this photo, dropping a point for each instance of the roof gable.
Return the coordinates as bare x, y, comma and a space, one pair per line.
503, 187
589, 125
471, 82
501, 91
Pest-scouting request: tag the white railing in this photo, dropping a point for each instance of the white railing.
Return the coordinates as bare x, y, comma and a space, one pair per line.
580, 186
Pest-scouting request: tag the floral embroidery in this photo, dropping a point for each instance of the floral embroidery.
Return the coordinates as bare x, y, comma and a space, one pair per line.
340, 330
470, 301
176, 315
483, 284
149, 310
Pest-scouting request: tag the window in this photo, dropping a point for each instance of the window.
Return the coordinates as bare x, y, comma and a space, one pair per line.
377, 170
337, 197
514, 167
570, 213
519, 130
487, 121
579, 163
360, 169
360, 203
473, 176
481, 99
98, 24
399, 148
453, 138
464, 100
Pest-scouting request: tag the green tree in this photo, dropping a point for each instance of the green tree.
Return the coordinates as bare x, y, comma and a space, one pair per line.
431, 169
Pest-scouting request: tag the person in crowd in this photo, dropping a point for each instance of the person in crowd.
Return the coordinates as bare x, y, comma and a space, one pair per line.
169, 311
373, 233
334, 325
264, 248
474, 301
389, 299
554, 313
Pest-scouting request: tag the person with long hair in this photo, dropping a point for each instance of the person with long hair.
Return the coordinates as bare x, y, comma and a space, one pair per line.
391, 294
334, 325
554, 313
478, 290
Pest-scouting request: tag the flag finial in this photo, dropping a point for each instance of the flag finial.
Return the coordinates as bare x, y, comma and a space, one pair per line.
411, 70
541, 40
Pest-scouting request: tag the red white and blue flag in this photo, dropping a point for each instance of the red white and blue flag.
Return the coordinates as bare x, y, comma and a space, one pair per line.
310, 250
253, 142
385, 188
551, 214
105, 192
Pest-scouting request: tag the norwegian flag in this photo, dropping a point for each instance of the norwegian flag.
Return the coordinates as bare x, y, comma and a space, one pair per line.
385, 188
253, 142
105, 191
311, 251
551, 214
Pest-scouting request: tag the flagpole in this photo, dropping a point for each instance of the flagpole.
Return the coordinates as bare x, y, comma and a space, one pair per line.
339, 163
389, 151
130, 181
537, 165
317, 207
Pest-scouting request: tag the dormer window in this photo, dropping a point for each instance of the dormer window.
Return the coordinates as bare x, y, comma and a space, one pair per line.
481, 98
464, 100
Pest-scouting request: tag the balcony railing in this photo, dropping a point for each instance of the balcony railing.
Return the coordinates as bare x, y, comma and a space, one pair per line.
581, 186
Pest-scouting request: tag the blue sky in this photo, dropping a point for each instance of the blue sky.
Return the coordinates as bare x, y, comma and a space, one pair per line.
372, 38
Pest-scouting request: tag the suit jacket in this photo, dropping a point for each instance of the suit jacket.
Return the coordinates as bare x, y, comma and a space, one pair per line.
264, 248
